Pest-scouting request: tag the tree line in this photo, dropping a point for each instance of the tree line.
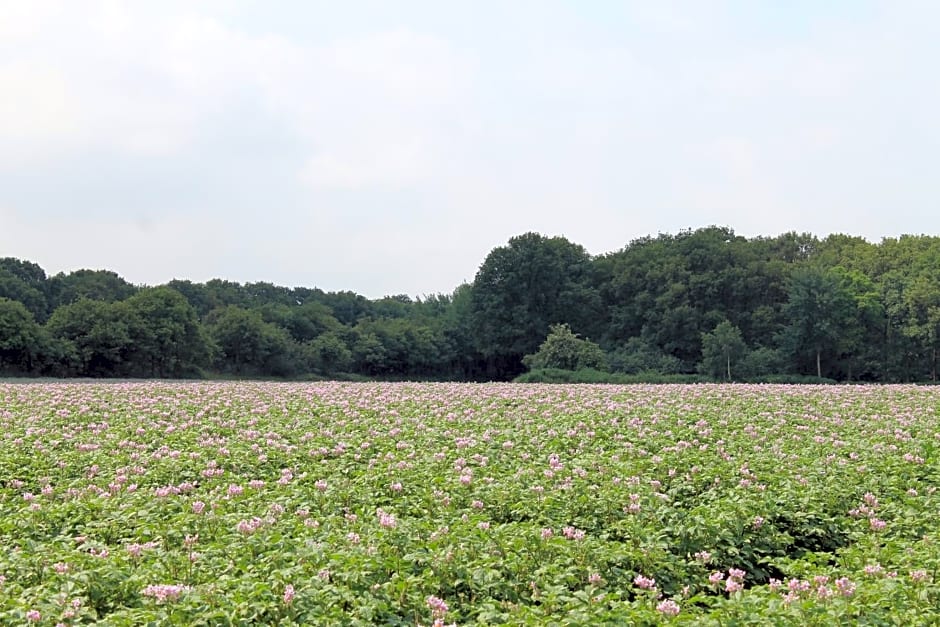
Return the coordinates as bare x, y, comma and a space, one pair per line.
700, 301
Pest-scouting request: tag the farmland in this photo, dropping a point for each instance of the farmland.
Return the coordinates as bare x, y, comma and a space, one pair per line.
416, 504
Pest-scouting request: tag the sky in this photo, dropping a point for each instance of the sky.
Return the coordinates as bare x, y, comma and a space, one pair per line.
388, 147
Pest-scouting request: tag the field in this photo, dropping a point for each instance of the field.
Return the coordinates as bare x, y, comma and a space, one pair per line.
416, 504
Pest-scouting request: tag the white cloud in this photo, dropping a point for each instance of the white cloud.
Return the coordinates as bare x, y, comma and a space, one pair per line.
35, 105
393, 131
369, 106
371, 161
142, 250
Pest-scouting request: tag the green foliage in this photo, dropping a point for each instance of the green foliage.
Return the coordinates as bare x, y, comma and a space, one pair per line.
24, 282
721, 348
522, 289
328, 353
102, 285
761, 362
564, 350
247, 344
839, 308
22, 340
165, 334
96, 336
332, 503
588, 375
369, 354
641, 356
819, 308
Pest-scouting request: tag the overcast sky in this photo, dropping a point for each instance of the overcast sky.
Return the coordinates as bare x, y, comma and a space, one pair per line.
387, 147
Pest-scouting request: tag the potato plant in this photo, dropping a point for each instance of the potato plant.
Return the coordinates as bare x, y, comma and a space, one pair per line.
470, 504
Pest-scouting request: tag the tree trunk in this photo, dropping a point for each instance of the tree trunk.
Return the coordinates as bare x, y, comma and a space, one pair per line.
729, 366
933, 366
818, 365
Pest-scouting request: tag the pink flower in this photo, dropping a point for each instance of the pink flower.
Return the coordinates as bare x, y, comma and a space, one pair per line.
198, 507
33, 616
248, 527
386, 520
703, 557
573, 534
288, 594
594, 578
668, 607
547, 533
437, 606
733, 585
918, 575
716, 577
872, 569
845, 587
646, 583
165, 592
877, 524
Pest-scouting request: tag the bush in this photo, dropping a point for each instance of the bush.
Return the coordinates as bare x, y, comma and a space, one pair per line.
640, 357
563, 349
761, 362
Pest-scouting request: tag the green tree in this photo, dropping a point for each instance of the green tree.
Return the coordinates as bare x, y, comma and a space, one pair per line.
22, 340
165, 332
101, 285
328, 353
369, 354
523, 288
637, 355
922, 302
862, 325
246, 343
563, 349
818, 311
97, 335
25, 282
671, 289
304, 321
722, 347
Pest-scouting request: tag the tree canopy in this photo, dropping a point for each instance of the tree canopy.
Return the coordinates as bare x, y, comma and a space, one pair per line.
698, 301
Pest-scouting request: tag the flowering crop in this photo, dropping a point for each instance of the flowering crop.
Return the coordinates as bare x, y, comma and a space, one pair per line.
421, 504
